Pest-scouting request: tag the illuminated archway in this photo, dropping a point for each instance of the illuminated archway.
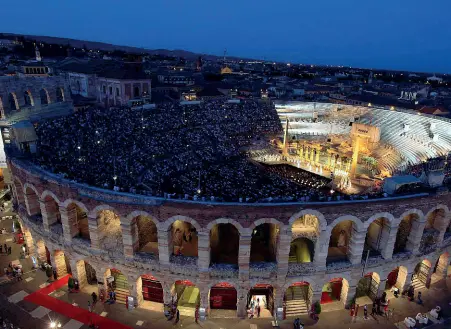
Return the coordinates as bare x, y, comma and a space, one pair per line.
109, 232
368, 287
264, 243
145, 235
297, 298
376, 237
78, 222
403, 234
28, 98
224, 244
336, 290
44, 96
183, 239
223, 296
339, 242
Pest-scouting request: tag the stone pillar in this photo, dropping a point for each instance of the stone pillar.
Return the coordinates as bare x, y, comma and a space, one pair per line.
59, 263
94, 232
40, 252
407, 281
32, 203
45, 218
388, 241
414, 239
381, 287
244, 256
29, 242
350, 294
203, 261
70, 227
165, 248
306, 155
442, 266
241, 304
429, 277
441, 224
356, 246
79, 272
138, 292
402, 278
321, 249
127, 239
316, 294
283, 252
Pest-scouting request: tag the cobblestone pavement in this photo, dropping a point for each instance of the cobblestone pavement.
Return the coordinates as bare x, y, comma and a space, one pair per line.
28, 315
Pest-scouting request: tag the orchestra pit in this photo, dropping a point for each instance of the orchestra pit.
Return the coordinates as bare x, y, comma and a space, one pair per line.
221, 206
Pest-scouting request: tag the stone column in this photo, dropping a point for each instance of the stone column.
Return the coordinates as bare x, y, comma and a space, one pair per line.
429, 277
388, 241
45, 218
244, 256
29, 242
381, 287
321, 249
356, 246
349, 295
203, 261
441, 224
70, 227
165, 248
241, 303
79, 272
94, 232
135, 288
316, 294
41, 254
127, 239
414, 239
407, 281
442, 266
283, 252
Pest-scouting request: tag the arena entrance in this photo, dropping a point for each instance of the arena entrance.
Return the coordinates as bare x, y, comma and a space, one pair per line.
420, 275
187, 296
91, 276
263, 295
119, 285
340, 240
223, 300
367, 288
334, 294
297, 299
62, 264
151, 296
304, 234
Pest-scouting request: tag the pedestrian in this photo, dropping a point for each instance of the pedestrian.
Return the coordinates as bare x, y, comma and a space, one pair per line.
9, 250
55, 275
258, 310
378, 306
89, 306
365, 312
196, 314
6, 247
19, 274
94, 298
177, 317
373, 309
420, 301
1, 248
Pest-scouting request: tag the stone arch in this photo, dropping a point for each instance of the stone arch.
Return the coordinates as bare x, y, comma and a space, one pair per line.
342, 234
225, 221
44, 96
76, 220
79, 204
59, 94
28, 98
335, 289
13, 102
32, 200
320, 217
359, 224
109, 230
167, 224
144, 232
94, 212
265, 239
441, 266
52, 195
149, 288
302, 250
19, 191
222, 295
378, 233
132, 216
61, 263
386, 215
435, 225
405, 231
368, 285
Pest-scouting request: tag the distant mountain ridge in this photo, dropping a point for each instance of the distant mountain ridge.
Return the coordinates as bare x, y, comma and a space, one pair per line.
111, 47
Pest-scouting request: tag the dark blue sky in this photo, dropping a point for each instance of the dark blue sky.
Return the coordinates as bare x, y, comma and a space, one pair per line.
393, 34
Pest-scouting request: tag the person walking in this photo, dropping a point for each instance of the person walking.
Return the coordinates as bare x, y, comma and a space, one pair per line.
373, 309
177, 317
420, 300
196, 315
365, 312
1, 248
55, 275
9, 250
94, 298
258, 310
6, 247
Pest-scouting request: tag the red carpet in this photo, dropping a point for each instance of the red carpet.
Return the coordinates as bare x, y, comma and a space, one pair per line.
325, 298
42, 298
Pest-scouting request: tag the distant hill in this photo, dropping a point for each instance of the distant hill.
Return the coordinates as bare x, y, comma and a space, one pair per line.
111, 47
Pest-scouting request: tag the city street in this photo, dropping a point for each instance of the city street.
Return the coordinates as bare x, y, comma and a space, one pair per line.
29, 315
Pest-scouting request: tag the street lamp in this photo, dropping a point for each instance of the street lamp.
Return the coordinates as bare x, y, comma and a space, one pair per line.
55, 325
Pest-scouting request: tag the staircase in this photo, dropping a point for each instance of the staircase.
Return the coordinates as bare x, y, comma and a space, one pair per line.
121, 288
417, 284
292, 259
296, 303
121, 295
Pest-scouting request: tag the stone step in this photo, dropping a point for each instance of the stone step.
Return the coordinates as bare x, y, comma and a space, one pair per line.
186, 310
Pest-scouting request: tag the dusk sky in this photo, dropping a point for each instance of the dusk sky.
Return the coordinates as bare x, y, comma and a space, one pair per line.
393, 34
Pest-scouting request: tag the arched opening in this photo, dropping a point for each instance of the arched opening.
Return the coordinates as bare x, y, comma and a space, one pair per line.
86, 275
184, 240
376, 238
297, 299
53, 215
440, 268
335, 293
223, 297
90, 273
44, 96
339, 242
32, 203
261, 295
78, 223
431, 232
62, 264
59, 95
186, 296
420, 277
301, 251
224, 244
402, 244
367, 287
42, 252
264, 243
304, 234
110, 232
13, 103
145, 235
396, 279
28, 99
150, 293
117, 282
136, 92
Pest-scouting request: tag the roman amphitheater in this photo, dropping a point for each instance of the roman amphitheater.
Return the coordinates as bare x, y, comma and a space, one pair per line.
222, 255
